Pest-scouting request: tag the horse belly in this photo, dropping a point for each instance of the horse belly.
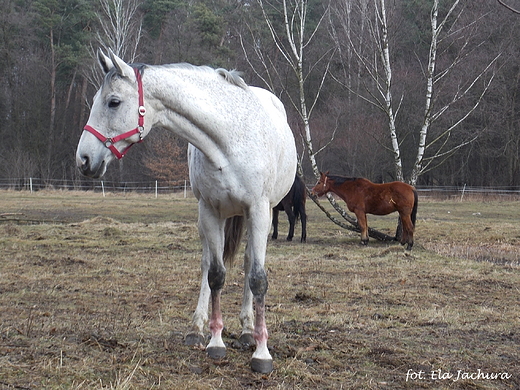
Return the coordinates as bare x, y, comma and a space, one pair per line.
278, 144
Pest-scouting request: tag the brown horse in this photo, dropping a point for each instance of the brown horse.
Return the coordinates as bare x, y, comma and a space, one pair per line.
362, 197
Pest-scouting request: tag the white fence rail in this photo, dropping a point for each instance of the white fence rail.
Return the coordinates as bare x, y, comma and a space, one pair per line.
157, 187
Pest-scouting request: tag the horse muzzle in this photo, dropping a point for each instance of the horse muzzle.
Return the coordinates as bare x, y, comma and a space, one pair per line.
315, 193
85, 166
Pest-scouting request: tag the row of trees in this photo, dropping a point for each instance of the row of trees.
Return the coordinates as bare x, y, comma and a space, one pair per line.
419, 90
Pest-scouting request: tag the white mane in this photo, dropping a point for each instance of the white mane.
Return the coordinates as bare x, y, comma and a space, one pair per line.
231, 76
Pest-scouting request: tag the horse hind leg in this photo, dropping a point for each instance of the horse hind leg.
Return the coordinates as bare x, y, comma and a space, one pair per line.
409, 240
399, 230
303, 219
275, 223
292, 223
246, 338
407, 232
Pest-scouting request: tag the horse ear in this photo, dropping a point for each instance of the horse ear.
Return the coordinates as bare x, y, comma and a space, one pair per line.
104, 61
122, 67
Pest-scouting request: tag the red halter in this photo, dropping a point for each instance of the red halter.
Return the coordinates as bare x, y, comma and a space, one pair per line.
110, 142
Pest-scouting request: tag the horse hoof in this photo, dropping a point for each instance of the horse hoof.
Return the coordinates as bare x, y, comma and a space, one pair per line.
246, 340
289, 238
194, 339
409, 247
364, 242
216, 352
262, 366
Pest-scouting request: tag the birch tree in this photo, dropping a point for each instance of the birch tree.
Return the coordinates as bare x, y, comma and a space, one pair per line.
377, 90
291, 41
120, 29
431, 112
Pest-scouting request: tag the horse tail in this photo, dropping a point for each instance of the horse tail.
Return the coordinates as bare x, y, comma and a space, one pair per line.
233, 233
414, 210
299, 196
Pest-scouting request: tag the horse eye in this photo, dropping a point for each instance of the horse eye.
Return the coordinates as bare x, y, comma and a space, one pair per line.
113, 103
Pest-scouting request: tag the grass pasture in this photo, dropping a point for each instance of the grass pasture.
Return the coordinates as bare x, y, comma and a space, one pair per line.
97, 293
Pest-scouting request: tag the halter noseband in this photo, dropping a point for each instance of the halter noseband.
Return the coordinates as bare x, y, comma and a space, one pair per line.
110, 142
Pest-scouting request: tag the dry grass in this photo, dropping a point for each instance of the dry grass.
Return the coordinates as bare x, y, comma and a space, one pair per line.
100, 295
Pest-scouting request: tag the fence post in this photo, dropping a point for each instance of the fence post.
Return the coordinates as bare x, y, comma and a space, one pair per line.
463, 190
103, 188
185, 184
30, 184
156, 189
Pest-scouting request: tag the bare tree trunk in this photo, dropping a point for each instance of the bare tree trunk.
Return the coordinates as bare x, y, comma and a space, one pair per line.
379, 70
430, 72
294, 26
121, 29
430, 114
385, 88
52, 117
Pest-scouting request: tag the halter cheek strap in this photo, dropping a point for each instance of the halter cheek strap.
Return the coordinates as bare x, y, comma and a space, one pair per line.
110, 142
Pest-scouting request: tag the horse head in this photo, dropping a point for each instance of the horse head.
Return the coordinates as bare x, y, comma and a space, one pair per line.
322, 186
116, 119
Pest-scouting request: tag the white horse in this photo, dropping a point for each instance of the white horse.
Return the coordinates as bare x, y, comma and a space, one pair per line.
242, 160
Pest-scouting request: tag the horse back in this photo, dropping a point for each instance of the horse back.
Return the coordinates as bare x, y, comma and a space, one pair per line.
386, 198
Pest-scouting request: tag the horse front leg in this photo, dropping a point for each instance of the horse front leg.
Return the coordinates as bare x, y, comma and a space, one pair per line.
258, 226
363, 226
195, 335
211, 230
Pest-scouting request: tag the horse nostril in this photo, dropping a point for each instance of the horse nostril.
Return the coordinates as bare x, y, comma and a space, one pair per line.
83, 163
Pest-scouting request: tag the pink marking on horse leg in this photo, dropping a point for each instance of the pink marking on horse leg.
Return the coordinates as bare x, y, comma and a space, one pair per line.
216, 347
262, 360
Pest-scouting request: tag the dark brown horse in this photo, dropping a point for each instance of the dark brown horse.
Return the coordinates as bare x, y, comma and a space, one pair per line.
362, 197
294, 206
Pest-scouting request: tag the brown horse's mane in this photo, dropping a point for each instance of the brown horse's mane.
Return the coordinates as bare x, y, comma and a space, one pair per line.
341, 179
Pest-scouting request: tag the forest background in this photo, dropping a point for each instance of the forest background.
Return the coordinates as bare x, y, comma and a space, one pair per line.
48, 76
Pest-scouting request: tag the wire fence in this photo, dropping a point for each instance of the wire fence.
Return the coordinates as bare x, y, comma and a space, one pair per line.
156, 187
32, 184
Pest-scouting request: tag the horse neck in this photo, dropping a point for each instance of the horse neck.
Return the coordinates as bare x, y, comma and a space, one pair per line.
341, 189
185, 102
